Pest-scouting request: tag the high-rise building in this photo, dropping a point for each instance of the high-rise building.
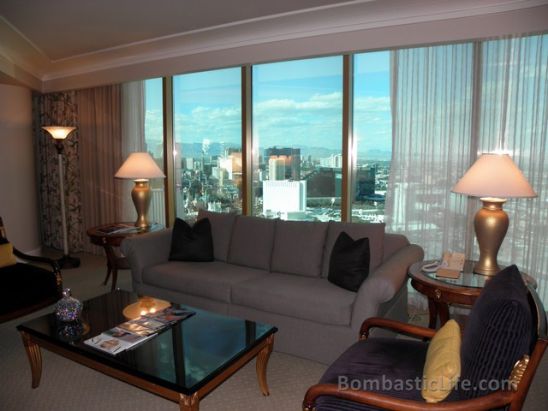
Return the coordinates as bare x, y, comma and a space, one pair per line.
276, 168
333, 161
324, 182
285, 199
292, 160
365, 183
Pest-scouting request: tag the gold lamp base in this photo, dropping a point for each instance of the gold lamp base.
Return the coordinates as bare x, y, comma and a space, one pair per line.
490, 223
141, 197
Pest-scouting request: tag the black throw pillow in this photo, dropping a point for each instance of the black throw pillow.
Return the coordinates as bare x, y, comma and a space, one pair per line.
191, 243
349, 262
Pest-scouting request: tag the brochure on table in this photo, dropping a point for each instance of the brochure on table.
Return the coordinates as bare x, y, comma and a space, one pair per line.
134, 332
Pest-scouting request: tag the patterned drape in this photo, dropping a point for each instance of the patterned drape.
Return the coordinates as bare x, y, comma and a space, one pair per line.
92, 154
58, 109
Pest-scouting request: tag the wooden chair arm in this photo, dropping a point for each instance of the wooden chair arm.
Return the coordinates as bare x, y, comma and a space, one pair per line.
493, 400
402, 328
54, 266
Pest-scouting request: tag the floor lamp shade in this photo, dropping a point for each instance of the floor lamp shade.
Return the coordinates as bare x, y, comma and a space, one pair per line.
493, 178
60, 133
140, 167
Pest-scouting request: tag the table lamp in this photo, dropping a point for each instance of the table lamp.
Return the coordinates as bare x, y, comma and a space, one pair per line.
140, 167
60, 133
493, 178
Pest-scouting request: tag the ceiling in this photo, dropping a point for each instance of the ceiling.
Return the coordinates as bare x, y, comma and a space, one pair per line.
50, 45
105, 24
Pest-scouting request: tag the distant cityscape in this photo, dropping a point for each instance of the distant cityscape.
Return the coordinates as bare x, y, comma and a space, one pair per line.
286, 183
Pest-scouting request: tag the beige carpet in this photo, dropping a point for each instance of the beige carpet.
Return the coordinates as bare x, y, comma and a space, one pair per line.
69, 386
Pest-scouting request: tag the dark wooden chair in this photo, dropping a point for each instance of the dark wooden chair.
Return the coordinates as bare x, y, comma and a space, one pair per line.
503, 341
27, 287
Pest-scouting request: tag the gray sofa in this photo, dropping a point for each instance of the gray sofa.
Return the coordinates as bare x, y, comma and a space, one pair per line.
275, 271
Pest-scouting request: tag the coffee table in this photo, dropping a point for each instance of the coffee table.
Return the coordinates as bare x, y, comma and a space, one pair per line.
183, 363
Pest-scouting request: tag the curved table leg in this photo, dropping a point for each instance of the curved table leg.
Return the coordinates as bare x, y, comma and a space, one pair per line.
262, 362
443, 310
35, 358
114, 278
189, 402
432, 313
109, 270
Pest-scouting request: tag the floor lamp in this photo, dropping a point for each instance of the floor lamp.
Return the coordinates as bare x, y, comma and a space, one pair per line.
59, 134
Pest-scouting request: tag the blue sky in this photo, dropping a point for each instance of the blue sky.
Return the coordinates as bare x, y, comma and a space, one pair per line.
295, 103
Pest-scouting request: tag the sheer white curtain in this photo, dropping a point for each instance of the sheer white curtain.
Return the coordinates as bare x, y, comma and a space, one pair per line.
449, 104
514, 117
133, 137
432, 122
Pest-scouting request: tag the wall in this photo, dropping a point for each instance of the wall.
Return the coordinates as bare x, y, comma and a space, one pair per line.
18, 196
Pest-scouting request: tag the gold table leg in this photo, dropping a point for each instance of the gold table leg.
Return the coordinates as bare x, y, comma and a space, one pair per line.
189, 402
35, 358
262, 362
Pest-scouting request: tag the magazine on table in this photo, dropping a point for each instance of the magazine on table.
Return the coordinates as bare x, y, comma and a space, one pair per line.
116, 340
134, 332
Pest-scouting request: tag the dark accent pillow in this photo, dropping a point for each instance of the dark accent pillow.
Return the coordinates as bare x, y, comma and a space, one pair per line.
349, 262
498, 332
191, 243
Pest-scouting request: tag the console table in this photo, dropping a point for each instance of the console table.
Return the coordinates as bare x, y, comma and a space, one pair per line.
110, 236
442, 291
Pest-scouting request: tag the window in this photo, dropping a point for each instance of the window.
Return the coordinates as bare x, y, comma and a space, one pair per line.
208, 148
372, 136
297, 139
154, 145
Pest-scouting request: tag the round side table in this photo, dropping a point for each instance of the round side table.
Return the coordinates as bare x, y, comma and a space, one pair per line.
110, 236
442, 291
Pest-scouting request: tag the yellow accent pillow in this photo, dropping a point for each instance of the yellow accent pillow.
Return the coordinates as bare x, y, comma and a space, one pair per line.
442, 366
6, 255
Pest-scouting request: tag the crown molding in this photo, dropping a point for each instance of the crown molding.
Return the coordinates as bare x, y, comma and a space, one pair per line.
343, 18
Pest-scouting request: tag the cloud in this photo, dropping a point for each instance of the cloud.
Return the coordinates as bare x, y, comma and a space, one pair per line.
316, 121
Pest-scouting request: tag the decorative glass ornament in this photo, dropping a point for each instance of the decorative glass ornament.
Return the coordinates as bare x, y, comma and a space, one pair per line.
68, 308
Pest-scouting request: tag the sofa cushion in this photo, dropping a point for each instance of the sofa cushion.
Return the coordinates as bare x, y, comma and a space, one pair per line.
378, 365
221, 230
191, 243
314, 299
293, 241
498, 332
374, 232
349, 262
211, 280
252, 241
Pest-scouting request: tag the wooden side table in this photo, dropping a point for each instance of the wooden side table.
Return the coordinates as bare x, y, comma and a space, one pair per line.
110, 236
444, 291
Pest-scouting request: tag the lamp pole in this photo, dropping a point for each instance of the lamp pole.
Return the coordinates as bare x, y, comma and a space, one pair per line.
59, 134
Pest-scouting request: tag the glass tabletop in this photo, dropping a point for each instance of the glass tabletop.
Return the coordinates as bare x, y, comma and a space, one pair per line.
467, 277
183, 357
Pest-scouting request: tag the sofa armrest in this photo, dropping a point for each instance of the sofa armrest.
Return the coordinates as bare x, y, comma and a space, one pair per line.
383, 284
146, 250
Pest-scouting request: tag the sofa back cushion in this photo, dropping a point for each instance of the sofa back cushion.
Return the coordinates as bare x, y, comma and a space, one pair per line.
298, 247
375, 233
221, 230
191, 243
252, 241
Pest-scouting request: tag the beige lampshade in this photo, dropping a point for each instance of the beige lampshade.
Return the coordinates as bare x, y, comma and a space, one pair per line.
59, 132
139, 166
494, 175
